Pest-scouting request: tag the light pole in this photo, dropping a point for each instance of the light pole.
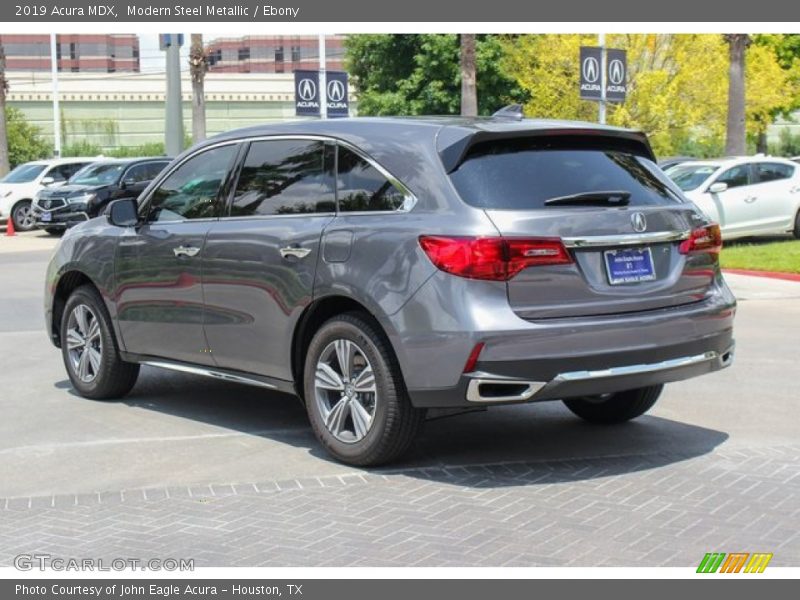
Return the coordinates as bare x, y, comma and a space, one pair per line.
601, 112
56, 109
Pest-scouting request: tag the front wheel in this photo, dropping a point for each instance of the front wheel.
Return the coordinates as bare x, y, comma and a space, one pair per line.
615, 408
22, 213
355, 397
90, 351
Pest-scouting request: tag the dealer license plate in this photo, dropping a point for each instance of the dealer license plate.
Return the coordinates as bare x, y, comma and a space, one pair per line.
629, 265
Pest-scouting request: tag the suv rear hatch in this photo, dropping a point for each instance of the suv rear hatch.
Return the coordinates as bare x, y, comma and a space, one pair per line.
628, 233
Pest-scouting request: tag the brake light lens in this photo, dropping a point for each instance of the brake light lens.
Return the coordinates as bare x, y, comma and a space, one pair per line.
492, 258
703, 240
472, 360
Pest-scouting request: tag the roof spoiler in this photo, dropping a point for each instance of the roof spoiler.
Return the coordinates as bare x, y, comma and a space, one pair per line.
454, 150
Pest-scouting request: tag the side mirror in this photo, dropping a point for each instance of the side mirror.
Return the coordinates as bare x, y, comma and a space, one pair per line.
127, 183
717, 187
123, 212
48, 180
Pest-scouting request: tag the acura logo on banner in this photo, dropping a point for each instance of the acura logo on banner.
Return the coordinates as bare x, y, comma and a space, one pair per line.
591, 59
306, 93
616, 75
336, 87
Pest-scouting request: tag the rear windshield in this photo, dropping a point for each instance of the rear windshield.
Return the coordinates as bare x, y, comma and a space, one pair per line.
522, 174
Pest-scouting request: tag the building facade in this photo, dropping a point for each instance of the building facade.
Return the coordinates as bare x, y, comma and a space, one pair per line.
273, 54
76, 53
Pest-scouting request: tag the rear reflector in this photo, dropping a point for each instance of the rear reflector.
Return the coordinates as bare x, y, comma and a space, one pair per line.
703, 240
493, 258
469, 366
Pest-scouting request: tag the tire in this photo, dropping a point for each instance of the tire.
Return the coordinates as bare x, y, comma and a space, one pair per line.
616, 408
54, 231
796, 231
342, 399
107, 376
23, 217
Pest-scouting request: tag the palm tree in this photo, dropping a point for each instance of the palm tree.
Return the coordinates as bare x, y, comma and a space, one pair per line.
735, 142
198, 65
4, 164
469, 93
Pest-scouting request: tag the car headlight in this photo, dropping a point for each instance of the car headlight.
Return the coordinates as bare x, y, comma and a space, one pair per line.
82, 199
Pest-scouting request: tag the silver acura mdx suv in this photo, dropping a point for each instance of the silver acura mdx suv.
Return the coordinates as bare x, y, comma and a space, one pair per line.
377, 267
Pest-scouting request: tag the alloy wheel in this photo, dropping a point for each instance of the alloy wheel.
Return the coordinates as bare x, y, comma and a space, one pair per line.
23, 217
84, 343
345, 390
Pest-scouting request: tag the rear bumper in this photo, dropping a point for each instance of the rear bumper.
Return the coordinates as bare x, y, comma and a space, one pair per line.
528, 361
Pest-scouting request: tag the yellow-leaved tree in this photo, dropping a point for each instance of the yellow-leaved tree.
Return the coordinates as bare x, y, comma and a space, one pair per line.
677, 85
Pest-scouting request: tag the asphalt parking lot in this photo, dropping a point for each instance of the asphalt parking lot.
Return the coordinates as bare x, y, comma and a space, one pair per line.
232, 476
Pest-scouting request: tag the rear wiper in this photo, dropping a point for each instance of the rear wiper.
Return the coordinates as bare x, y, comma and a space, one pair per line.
598, 198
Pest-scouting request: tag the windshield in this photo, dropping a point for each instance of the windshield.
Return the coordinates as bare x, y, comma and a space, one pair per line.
688, 177
524, 174
24, 173
98, 174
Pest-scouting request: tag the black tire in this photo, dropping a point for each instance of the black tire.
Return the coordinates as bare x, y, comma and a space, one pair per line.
23, 220
394, 423
54, 231
615, 408
796, 231
113, 377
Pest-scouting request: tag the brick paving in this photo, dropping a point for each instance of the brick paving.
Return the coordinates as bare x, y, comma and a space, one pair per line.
662, 509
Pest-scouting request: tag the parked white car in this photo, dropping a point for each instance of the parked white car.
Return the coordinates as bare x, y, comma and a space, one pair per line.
750, 196
18, 188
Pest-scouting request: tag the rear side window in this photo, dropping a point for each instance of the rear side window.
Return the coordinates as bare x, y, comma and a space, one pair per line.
522, 174
281, 177
773, 172
361, 187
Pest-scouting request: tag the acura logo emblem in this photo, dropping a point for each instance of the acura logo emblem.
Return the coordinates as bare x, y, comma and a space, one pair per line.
307, 90
591, 70
335, 90
616, 71
638, 222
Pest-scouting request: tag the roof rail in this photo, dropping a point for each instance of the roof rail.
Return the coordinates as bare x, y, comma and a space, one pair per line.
512, 112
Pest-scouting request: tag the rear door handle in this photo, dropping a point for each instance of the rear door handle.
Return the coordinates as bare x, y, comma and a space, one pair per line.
186, 251
295, 251
751, 199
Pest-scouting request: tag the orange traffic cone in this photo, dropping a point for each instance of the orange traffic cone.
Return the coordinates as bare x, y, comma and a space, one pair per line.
10, 226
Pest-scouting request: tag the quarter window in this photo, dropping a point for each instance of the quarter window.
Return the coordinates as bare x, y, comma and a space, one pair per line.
283, 177
361, 187
773, 172
735, 176
192, 190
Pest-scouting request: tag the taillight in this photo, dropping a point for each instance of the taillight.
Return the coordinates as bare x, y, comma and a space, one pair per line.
472, 359
703, 240
494, 258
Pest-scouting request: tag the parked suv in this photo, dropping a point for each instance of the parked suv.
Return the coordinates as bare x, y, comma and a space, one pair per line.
18, 188
90, 190
379, 267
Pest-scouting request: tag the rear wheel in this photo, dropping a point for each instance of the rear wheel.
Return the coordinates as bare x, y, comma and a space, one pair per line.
90, 351
797, 225
615, 408
22, 213
355, 395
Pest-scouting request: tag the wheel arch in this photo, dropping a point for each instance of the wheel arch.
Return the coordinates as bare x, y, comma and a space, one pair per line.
68, 282
312, 318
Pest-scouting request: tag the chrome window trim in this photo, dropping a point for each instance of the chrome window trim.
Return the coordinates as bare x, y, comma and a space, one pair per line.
626, 239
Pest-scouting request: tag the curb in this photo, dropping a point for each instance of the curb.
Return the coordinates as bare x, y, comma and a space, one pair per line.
767, 274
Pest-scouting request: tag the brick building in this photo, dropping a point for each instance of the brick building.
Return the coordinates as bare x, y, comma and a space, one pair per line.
76, 53
273, 54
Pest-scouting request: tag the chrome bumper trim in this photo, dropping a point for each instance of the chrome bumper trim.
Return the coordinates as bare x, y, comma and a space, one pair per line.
480, 379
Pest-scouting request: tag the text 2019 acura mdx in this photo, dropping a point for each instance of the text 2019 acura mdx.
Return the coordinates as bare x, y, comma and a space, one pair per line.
379, 267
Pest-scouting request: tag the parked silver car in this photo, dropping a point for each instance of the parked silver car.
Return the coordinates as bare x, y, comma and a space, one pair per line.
379, 267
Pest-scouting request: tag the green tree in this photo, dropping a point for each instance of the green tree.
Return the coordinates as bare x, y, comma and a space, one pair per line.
25, 141
421, 74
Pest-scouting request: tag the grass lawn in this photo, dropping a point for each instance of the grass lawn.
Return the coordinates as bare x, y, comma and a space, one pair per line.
782, 255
